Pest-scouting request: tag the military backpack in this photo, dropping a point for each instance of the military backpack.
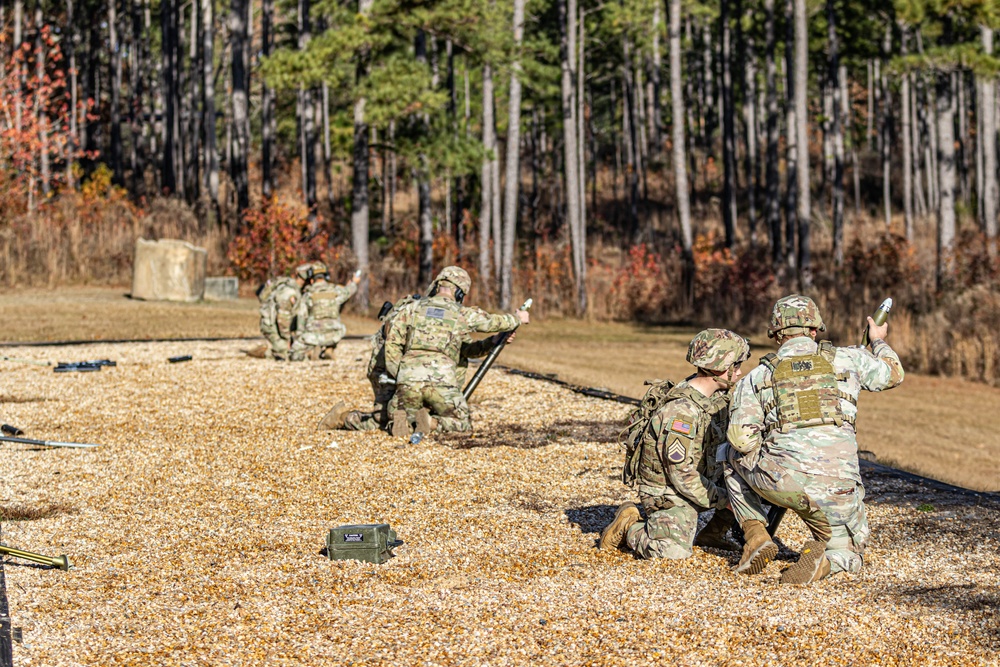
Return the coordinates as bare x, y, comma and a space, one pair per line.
805, 390
631, 436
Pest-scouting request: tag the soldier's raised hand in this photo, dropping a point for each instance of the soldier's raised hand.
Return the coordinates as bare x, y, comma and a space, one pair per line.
877, 330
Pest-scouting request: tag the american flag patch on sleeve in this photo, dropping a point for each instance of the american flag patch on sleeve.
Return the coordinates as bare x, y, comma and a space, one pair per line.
680, 426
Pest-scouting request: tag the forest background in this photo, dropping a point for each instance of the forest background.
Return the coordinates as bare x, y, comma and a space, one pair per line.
622, 160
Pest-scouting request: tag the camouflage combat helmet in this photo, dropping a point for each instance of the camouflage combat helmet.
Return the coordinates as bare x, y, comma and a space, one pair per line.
310, 270
795, 314
717, 350
304, 271
455, 275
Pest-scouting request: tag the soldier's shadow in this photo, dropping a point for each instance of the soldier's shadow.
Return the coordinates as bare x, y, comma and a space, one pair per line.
591, 518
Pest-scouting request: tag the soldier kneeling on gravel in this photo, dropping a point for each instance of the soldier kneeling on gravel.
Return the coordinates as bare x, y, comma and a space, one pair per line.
793, 443
320, 328
671, 444
423, 350
278, 300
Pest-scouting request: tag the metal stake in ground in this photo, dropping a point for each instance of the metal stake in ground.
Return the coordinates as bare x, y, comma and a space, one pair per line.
61, 562
47, 443
490, 358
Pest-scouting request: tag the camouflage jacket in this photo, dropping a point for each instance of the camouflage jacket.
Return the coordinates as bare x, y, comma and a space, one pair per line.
278, 305
827, 450
424, 343
679, 447
319, 308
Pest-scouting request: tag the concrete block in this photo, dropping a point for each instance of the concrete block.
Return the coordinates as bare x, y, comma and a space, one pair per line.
222, 289
168, 270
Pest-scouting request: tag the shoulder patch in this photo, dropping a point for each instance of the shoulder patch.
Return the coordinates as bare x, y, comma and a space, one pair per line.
681, 426
676, 451
436, 313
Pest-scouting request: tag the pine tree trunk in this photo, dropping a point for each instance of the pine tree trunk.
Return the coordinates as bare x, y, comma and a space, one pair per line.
486, 180
307, 123
958, 81
750, 120
791, 139
871, 106
567, 58
513, 165
168, 25
772, 208
192, 182
70, 50
709, 76
677, 136
837, 135
425, 221
904, 95
946, 178
654, 77
241, 106
208, 102
987, 105
729, 212
267, 119
43, 128
359, 192
804, 211
581, 292
886, 132
919, 195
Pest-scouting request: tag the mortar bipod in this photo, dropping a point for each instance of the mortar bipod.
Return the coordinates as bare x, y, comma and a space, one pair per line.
61, 562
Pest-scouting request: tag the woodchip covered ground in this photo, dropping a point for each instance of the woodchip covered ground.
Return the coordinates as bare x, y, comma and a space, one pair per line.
196, 530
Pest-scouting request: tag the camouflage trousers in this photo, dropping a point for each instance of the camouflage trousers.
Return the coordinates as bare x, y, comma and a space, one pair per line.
378, 418
832, 508
279, 347
446, 403
363, 421
666, 533
314, 343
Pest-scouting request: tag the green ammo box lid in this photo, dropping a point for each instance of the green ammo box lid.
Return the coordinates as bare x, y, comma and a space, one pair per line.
372, 542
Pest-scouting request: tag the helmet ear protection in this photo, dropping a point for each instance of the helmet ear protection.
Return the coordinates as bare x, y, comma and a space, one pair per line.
459, 292
384, 310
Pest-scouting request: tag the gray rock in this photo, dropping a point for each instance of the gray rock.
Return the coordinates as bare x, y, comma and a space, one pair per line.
222, 289
168, 271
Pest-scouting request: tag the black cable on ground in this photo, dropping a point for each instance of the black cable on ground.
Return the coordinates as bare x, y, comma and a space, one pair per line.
119, 341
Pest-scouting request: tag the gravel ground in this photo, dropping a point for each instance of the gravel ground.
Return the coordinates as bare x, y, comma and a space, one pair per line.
196, 530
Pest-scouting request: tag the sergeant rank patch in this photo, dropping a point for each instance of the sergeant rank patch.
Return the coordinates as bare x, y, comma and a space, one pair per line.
676, 451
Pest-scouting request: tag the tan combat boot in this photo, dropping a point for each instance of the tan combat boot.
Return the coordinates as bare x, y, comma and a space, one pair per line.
258, 351
812, 565
401, 425
613, 535
425, 423
713, 535
334, 419
758, 551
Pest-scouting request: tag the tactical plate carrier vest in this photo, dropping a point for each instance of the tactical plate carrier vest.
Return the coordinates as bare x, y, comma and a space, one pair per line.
435, 328
324, 302
805, 391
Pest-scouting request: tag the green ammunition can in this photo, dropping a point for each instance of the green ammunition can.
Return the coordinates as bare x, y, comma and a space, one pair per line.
371, 543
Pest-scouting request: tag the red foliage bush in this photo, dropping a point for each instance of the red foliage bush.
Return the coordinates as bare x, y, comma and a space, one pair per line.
275, 238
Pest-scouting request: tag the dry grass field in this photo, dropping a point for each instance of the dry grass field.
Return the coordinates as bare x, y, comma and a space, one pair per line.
195, 531
943, 428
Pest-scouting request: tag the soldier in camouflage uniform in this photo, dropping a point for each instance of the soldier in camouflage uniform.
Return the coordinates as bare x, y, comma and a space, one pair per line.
342, 417
793, 443
278, 300
320, 328
676, 471
423, 350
